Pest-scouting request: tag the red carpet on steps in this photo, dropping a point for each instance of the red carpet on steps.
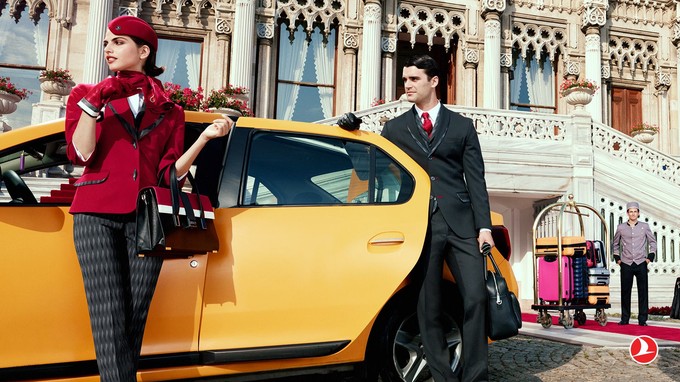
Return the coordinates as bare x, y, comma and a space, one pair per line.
633, 329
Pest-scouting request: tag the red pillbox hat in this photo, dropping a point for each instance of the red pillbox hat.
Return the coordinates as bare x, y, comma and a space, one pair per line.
134, 27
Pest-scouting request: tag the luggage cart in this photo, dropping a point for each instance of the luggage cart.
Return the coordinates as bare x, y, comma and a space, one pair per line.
562, 305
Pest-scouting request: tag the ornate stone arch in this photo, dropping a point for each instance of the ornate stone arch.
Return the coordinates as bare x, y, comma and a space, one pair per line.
527, 37
197, 8
633, 53
311, 13
432, 22
35, 8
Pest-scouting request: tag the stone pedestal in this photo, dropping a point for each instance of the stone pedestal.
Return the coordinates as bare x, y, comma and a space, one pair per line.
47, 111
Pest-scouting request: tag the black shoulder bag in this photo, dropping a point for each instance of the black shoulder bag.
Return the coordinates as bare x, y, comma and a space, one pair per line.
504, 317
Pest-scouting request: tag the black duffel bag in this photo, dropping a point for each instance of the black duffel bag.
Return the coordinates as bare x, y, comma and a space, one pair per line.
503, 317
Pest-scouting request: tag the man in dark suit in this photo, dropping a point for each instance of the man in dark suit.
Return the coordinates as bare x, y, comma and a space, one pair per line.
445, 144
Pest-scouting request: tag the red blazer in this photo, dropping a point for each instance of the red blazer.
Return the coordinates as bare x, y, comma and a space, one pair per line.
125, 159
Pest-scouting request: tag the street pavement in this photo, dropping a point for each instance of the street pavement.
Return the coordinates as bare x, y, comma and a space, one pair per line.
566, 355
559, 354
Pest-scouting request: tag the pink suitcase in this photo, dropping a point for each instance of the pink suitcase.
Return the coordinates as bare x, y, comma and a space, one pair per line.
548, 285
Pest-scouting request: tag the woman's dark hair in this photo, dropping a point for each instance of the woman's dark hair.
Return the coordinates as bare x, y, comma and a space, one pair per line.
150, 68
425, 62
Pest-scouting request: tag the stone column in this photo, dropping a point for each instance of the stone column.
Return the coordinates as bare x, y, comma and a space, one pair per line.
99, 15
594, 71
605, 90
389, 46
241, 72
491, 12
674, 136
471, 61
370, 54
506, 64
221, 59
265, 89
346, 98
594, 17
582, 182
663, 83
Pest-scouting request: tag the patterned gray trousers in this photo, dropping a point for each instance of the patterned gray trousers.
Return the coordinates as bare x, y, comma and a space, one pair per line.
119, 286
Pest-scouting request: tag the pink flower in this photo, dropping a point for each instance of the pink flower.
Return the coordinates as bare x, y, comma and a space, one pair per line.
8, 87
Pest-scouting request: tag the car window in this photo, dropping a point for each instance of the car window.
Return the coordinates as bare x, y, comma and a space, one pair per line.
37, 171
290, 169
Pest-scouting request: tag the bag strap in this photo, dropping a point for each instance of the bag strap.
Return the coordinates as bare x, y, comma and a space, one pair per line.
176, 195
486, 251
201, 219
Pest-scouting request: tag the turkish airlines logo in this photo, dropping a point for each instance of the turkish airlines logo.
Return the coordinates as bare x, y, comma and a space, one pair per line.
643, 350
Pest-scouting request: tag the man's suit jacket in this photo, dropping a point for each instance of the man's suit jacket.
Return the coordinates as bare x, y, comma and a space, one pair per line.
453, 159
128, 155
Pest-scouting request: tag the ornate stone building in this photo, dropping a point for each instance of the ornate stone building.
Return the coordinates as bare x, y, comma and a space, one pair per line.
502, 61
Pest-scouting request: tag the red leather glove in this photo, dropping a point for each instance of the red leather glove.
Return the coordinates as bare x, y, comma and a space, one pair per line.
123, 85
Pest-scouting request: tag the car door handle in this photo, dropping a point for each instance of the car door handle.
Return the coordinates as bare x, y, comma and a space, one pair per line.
387, 238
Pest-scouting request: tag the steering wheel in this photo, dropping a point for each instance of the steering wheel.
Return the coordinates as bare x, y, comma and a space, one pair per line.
17, 188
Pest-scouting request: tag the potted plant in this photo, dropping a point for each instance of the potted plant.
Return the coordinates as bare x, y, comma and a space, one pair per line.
644, 132
57, 83
377, 102
9, 96
578, 92
11, 92
188, 98
228, 100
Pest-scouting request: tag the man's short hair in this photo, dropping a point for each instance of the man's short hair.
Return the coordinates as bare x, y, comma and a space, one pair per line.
425, 62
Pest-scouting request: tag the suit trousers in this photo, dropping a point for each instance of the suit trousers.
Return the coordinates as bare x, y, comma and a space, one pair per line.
639, 271
467, 266
119, 286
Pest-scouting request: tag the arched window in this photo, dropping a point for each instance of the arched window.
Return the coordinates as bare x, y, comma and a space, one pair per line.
305, 88
182, 62
23, 53
532, 84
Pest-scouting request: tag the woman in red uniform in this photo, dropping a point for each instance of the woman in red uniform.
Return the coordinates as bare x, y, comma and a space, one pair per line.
127, 134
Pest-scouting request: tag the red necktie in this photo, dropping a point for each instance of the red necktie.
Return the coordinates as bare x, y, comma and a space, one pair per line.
427, 123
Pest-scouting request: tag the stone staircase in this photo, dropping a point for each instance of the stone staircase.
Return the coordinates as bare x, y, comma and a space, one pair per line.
41, 186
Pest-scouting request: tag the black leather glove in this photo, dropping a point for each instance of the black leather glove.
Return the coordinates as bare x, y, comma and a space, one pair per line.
651, 256
349, 122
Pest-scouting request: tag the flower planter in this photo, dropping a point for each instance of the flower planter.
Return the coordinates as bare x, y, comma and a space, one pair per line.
8, 102
578, 97
55, 89
644, 136
8, 105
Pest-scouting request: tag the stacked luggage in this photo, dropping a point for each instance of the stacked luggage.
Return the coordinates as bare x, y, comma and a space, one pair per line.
585, 278
598, 274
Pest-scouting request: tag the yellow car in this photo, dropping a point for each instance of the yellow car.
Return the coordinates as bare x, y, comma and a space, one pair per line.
319, 230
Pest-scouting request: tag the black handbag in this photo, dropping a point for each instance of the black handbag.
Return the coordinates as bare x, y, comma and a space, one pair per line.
174, 223
504, 317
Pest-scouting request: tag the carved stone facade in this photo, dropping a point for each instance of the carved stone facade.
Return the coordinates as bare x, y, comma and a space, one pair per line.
634, 39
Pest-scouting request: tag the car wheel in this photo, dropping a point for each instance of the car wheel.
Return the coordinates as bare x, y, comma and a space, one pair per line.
398, 353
